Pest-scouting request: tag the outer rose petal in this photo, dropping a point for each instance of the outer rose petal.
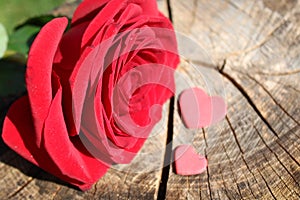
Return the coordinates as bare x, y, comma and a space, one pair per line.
17, 125
65, 158
39, 70
69, 155
18, 132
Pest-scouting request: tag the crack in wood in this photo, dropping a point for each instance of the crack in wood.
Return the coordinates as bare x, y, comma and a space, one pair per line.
234, 134
251, 103
204, 136
284, 73
274, 100
56, 192
280, 176
267, 185
170, 10
222, 67
286, 85
276, 156
233, 174
238, 86
247, 166
251, 191
95, 189
223, 183
288, 153
277, 187
208, 177
21, 188
244, 93
251, 172
162, 190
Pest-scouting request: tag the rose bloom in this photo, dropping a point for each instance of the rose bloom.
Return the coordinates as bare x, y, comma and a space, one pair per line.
94, 92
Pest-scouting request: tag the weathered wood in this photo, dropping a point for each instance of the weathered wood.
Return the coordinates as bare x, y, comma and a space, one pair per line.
254, 152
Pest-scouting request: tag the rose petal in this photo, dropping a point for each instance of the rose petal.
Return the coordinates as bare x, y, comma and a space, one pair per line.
149, 7
111, 9
19, 134
17, 125
79, 166
69, 48
86, 9
97, 131
39, 69
79, 83
155, 75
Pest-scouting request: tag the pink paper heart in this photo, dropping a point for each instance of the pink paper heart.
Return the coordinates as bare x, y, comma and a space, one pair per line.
188, 162
199, 110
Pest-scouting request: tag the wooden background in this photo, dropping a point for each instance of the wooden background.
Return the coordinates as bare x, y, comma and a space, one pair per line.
253, 49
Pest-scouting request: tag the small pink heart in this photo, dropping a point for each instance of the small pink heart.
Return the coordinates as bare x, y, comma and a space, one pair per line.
199, 110
188, 162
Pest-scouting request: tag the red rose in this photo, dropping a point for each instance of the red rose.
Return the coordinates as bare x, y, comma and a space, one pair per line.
94, 92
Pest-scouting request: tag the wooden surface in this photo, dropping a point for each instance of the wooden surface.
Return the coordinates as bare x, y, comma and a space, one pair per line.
251, 57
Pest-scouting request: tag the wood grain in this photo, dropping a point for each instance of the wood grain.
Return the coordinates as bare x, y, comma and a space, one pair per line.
254, 152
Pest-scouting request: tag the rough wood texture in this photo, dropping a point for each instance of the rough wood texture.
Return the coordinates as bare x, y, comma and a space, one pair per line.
251, 57
254, 46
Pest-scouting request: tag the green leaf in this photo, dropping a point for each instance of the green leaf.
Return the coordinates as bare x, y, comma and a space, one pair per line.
22, 37
15, 12
3, 40
12, 80
39, 21
21, 40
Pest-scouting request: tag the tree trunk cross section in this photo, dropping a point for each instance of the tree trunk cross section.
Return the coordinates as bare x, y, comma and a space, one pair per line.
252, 51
